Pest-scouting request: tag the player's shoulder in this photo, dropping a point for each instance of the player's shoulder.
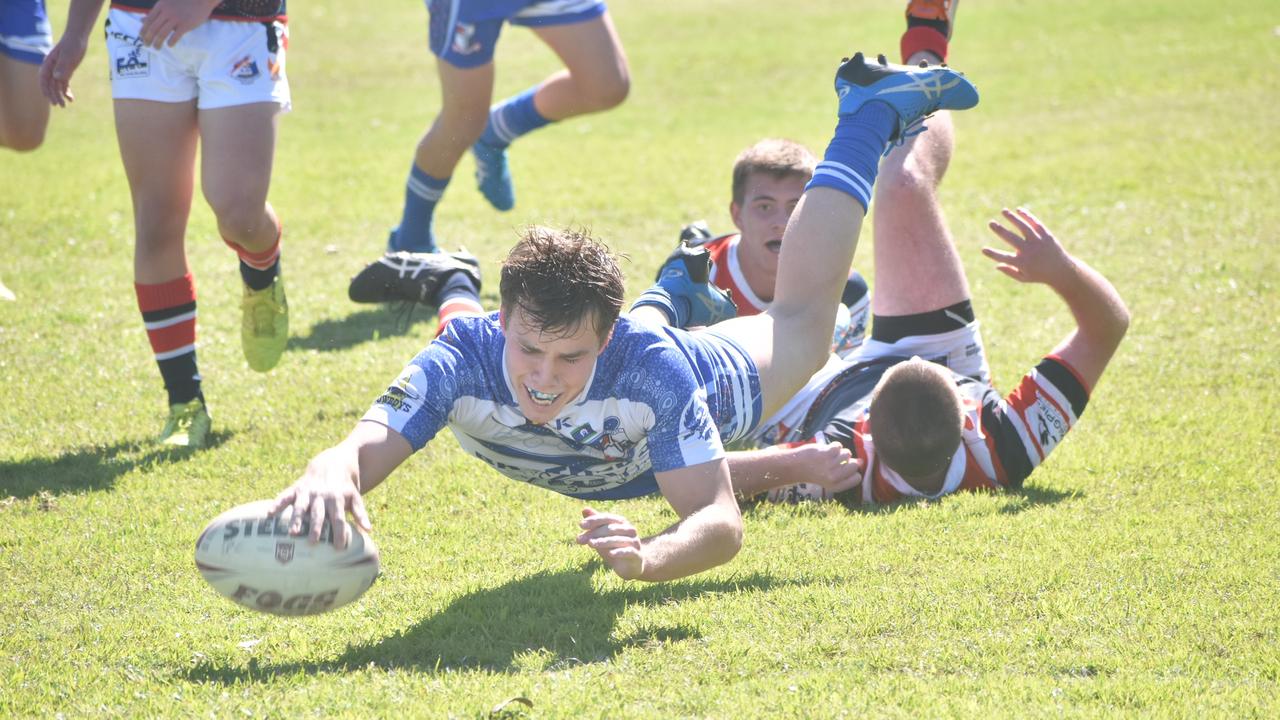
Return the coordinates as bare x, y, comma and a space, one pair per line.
641, 353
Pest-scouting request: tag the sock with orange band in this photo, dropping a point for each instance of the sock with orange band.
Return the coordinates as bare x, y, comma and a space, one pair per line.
169, 313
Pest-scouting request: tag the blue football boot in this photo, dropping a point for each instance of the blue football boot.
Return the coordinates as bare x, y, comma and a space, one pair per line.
913, 92
493, 175
683, 292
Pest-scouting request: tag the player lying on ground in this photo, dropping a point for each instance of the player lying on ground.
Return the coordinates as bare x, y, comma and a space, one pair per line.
913, 413
559, 391
187, 73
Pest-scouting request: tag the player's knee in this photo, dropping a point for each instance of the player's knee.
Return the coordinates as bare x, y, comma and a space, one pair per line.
606, 92
905, 182
463, 122
240, 219
25, 138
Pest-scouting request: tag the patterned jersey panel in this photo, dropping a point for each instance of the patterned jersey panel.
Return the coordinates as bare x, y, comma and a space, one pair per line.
245, 10
644, 409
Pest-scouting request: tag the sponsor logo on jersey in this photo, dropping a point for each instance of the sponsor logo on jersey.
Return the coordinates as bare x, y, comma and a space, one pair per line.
284, 552
1049, 425
132, 63
246, 70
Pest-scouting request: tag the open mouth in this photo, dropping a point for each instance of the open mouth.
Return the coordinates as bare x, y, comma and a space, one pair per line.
774, 246
541, 398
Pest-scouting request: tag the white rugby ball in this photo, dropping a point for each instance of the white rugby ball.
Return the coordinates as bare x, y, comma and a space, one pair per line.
250, 557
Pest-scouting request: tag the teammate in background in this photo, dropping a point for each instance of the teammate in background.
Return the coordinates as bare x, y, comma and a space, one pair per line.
25, 38
913, 413
188, 72
463, 35
559, 391
768, 179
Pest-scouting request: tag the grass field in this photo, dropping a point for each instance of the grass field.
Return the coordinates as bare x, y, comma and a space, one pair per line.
1138, 573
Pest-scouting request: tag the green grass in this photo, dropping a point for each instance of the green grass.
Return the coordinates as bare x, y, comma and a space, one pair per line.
1137, 574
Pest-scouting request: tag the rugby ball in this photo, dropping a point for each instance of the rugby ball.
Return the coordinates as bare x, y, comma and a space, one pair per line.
250, 557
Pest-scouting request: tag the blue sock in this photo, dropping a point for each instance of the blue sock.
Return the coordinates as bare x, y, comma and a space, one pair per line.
512, 118
421, 194
853, 157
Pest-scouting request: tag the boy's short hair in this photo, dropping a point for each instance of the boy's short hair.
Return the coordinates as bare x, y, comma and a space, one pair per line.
773, 156
916, 418
561, 278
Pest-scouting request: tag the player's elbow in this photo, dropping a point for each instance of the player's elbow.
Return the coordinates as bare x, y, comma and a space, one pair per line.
730, 538
1121, 317
25, 139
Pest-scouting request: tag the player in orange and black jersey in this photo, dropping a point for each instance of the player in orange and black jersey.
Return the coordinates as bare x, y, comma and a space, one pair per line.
238, 10
913, 412
187, 73
768, 180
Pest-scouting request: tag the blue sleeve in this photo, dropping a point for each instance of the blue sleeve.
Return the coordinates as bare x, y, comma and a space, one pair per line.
683, 432
418, 403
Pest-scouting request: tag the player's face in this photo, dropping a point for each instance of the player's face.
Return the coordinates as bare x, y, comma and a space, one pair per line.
548, 371
767, 202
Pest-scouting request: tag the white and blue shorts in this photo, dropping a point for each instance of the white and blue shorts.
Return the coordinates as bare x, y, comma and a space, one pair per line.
464, 33
25, 33
221, 63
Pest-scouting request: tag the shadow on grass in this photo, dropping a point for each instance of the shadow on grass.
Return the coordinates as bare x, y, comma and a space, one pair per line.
364, 326
90, 468
550, 620
1016, 501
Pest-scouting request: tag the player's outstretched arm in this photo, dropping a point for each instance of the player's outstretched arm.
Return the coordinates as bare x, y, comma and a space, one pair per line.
829, 465
708, 534
335, 479
1100, 314
61, 62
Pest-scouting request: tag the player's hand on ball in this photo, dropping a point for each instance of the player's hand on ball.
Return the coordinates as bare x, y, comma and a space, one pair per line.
329, 488
829, 465
1037, 255
616, 539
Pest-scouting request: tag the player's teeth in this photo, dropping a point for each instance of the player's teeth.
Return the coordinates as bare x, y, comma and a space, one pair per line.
541, 397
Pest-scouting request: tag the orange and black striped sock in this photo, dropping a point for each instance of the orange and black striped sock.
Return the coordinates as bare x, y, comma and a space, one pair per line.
169, 313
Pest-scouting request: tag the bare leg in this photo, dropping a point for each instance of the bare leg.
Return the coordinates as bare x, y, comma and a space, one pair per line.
158, 148
792, 340
24, 113
465, 95
235, 172
595, 77
917, 267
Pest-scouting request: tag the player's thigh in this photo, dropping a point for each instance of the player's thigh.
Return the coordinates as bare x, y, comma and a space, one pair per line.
917, 267
24, 113
239, 150
593, 54
158, 148
782, 369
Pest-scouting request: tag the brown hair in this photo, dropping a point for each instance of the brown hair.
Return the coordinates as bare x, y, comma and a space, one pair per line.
772, 156
916, 419
561, 278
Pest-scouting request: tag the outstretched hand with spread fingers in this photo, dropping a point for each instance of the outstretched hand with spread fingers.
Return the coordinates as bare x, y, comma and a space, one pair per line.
1037, 255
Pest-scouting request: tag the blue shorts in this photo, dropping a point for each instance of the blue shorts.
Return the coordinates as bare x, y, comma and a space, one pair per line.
464, 33
25, 33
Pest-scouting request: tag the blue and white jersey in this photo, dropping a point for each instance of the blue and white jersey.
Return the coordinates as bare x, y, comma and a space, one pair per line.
658, 399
